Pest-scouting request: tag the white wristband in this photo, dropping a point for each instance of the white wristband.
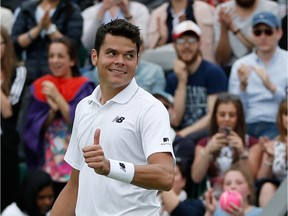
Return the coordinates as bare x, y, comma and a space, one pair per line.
121, 171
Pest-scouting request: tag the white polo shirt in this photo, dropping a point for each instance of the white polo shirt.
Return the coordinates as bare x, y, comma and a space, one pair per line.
133, 126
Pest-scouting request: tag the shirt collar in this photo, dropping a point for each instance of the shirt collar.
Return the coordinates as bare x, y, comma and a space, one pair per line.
122, 97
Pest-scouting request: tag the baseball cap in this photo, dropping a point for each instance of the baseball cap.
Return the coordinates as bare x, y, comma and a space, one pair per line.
186, 26
266, 18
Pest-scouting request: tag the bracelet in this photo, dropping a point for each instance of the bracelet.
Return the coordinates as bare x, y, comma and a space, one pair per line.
121, 171
128, 17
204, 154
268, 163
236, 32
30, 36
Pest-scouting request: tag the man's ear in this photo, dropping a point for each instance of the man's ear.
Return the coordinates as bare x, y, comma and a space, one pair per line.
94, 57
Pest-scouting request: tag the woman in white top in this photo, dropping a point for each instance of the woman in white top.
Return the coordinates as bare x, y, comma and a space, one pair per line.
274, 164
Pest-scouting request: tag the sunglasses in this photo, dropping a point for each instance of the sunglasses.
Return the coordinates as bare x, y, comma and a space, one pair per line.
189, 40
258, 32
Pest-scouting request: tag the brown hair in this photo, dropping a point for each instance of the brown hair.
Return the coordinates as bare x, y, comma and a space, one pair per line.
8, 61
224, 98
282, 111
247, 176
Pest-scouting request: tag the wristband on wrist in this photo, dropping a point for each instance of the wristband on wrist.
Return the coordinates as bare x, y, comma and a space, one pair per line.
121, 171
30, 36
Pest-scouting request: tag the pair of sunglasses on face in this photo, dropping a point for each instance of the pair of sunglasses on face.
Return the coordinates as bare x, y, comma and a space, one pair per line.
258, 32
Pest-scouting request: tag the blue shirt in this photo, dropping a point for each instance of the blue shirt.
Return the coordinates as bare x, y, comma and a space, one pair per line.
257, 97
208, 79
255, 211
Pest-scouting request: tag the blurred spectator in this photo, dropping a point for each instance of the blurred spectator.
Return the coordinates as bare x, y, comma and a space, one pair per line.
36, 24
232, 26
107, 10
194, 83
7, 18
260, 78
36, 196
274, 164
12, 82
227, 143
151, 4
236, 179
175, 201
165, 17
149, 76
51, 112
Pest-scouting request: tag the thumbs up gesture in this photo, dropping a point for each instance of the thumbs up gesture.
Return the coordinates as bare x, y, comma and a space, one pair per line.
94, 156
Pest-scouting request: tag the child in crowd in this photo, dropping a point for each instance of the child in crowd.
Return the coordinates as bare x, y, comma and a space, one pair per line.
236, 179
36, 196
273, 169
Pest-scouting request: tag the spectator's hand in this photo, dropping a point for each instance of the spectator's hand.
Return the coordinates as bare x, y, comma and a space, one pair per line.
236, 142
269, 148
225, 17
243, 74
262, 73
124, 7
50, 90
210, 202
94, 156
181, 71
235, 210
45, 21
216, 142
52, 104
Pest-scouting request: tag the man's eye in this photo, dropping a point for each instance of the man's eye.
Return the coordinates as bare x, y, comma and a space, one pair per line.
111, 53
130, 56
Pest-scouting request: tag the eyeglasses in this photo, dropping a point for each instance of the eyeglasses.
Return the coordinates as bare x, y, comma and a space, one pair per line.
258, 32
188, 40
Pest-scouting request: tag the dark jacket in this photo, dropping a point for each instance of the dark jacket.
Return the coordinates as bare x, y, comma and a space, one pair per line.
69, 22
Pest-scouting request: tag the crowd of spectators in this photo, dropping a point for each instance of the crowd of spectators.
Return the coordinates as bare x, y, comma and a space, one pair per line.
226, 93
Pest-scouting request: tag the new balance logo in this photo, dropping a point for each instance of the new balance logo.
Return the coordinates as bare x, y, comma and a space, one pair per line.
165, 139
118, 119
122, 167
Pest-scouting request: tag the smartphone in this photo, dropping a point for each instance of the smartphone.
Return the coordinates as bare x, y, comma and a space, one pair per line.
225, 130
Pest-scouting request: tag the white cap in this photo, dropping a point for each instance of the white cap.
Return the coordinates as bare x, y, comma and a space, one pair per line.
186, 26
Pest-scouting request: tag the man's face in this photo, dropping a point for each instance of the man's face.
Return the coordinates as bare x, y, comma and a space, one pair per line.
187, 48
266, 38
245, 3
117, 62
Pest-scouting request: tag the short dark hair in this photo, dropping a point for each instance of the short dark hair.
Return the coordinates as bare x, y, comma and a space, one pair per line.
118, 27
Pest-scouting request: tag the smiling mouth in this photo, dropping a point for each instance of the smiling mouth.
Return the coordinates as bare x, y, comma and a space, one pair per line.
117, 71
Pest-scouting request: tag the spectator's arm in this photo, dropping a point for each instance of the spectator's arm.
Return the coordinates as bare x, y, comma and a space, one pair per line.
203, 122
